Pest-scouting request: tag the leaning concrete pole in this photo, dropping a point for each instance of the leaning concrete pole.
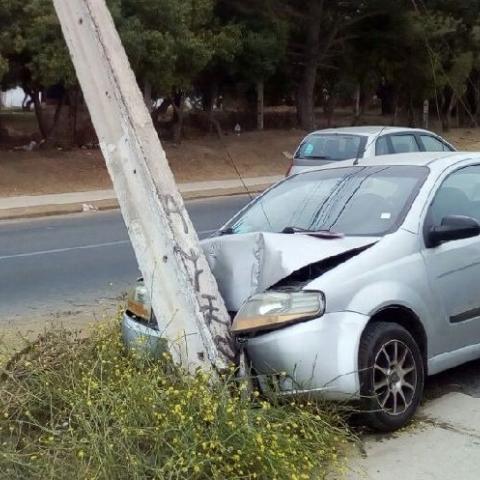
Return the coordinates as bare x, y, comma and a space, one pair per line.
185, 297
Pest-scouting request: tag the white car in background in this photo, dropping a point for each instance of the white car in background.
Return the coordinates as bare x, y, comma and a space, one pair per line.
335, 144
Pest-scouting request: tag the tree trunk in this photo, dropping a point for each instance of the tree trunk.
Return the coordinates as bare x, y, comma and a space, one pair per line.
386, 94
260, 104
147, 95
209, 98
56, 116
448, 113
308, 80
329, 109
42, 124
395, 112
160, 110
73, 114
426, 114
178, 115
357, 110
3, 131
306, 98
412, 120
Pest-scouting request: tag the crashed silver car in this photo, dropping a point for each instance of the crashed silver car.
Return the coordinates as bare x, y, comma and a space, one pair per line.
355, 281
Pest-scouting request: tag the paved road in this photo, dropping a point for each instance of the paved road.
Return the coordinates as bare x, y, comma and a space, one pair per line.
79, 264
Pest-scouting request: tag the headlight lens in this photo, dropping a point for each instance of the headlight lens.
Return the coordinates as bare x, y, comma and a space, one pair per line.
139, 302
276, 309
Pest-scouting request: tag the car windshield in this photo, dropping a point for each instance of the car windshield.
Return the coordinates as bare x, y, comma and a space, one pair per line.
330, 147
360, 200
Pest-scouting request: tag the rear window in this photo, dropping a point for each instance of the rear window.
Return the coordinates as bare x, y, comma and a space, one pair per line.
330, 147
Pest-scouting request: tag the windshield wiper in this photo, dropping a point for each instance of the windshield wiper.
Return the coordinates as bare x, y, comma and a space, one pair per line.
316, 157
325, 233
227, 231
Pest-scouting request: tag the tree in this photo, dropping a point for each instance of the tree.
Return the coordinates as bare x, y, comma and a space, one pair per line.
262, 45
37, 56
170, 42
5, 40
318, 35
453, 44
3, 67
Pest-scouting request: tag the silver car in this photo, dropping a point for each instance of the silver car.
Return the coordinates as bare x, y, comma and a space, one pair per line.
335, 144
354, 281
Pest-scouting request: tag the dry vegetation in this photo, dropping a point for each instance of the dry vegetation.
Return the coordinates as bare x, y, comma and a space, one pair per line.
203, 159
80, 409
197, 159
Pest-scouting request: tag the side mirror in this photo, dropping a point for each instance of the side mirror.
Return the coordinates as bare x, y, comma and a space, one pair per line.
453, 227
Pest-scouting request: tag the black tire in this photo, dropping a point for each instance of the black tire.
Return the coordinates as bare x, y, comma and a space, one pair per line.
384, 382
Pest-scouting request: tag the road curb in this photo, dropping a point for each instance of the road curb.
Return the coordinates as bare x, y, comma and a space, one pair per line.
112, 203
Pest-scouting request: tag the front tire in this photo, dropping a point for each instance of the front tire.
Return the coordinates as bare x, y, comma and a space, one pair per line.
392, 376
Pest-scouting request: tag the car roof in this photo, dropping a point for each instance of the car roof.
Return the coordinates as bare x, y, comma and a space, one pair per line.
368, 130
412, 158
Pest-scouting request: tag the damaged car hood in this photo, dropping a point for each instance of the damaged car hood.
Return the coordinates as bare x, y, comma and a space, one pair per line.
245, 264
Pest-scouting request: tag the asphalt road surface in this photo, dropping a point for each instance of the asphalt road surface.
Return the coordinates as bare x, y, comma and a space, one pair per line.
79, 264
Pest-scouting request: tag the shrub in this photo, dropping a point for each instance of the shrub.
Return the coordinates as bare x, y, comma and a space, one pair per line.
73, 408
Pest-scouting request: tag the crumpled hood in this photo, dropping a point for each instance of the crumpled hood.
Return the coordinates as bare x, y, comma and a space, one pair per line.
245, 264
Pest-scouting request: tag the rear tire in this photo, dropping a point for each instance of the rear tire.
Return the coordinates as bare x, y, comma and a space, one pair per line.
392, 376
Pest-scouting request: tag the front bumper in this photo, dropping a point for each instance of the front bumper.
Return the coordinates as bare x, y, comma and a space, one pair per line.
319, 356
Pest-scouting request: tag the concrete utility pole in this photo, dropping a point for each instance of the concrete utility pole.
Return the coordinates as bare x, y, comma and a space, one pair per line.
185, 297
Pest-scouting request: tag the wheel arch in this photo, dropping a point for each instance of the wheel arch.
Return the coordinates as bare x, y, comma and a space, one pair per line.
410, 321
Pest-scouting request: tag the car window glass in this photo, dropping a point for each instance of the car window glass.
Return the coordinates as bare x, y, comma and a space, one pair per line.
459, 194
404, 143
432, 144
381, 148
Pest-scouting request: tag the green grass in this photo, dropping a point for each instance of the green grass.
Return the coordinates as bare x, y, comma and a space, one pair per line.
76, 408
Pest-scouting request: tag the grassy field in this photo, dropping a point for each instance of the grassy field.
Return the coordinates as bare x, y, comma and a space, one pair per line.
84, 408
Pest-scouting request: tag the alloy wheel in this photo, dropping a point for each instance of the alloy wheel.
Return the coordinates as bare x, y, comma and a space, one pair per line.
394, 377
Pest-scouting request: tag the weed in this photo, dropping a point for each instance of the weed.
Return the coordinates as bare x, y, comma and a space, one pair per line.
85, 408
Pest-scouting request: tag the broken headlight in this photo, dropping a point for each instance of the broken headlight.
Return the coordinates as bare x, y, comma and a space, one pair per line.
139, 302
269, 310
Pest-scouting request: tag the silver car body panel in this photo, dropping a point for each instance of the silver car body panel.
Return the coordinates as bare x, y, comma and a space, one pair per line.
315, 356
396, 270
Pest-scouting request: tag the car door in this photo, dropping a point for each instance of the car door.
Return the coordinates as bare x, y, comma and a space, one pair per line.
453, 268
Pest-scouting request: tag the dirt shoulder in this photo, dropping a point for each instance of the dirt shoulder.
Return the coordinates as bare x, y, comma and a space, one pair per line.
42, 172
253, 154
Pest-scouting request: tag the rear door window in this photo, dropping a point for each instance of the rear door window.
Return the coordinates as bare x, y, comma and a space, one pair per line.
404, 143
382, 147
